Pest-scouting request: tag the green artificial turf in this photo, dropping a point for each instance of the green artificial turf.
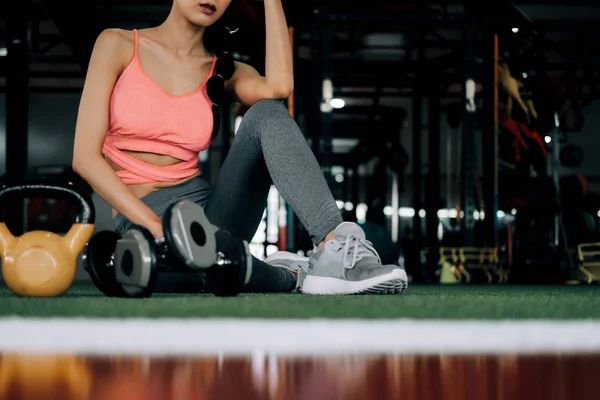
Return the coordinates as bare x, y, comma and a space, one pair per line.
439, 302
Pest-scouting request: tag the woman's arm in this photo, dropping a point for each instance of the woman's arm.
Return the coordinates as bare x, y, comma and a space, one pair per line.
248, 85
112, 51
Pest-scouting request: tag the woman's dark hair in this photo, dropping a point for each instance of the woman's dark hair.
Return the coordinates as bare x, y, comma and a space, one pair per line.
219, 37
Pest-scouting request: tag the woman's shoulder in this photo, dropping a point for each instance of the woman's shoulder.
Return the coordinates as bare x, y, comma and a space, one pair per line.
116, 36
115, 42
115, 39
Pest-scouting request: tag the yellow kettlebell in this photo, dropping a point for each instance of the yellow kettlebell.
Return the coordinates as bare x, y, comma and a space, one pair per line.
41, 263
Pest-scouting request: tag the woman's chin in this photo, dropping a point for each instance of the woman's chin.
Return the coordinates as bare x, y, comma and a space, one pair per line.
202, 21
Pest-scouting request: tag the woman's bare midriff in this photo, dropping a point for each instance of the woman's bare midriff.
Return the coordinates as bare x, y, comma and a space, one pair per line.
143, 189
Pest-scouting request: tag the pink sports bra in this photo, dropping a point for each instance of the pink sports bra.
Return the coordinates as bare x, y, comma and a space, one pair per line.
143, 117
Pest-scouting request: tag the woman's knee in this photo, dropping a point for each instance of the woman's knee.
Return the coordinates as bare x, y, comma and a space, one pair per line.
265, 118
266, 109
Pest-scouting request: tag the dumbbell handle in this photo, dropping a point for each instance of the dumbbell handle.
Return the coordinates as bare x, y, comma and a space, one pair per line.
222, 259
167, 262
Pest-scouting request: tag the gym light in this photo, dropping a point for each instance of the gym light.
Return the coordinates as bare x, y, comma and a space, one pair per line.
525, 75
547, 139
337, 103
515, 30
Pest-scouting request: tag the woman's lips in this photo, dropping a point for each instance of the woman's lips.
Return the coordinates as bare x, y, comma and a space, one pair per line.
208, 9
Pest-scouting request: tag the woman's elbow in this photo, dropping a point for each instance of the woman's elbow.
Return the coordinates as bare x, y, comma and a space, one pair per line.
81, 162
283, 90
77, 166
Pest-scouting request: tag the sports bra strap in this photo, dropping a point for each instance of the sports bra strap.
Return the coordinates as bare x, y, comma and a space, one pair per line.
135, 42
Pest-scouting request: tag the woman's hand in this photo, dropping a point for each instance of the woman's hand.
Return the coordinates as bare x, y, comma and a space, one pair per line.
156, 229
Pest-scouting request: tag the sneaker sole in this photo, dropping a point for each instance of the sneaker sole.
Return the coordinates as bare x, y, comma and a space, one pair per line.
393, 283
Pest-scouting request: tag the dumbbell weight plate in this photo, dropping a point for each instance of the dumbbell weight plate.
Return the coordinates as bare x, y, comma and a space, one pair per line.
136, 266
190, 235
99, 263
233, 268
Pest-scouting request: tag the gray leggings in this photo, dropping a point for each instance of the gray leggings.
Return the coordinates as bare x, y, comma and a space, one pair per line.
269, 148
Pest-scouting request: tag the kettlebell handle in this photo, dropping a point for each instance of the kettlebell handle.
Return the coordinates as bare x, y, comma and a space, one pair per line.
85, 212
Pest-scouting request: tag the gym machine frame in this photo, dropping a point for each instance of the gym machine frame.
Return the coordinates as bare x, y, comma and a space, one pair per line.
320, 119
471, 257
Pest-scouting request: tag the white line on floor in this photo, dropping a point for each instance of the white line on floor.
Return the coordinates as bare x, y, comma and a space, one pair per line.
294, 337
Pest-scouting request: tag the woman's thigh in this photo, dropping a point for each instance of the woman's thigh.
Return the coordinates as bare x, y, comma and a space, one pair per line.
239, 195
197, 190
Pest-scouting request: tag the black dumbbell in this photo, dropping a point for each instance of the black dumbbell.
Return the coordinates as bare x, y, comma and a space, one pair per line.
188, 246
139, 260
194, 241
128, 266
189, 235
233, 267
98, 261
224, 258
107, 250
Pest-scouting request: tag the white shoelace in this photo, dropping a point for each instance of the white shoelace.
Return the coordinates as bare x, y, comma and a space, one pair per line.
355, 249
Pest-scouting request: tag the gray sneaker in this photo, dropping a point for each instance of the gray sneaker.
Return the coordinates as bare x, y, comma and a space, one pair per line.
291, 262
350, 265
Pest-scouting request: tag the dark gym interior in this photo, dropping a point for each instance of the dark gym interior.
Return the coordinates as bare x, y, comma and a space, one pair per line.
410, 142
460, 135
